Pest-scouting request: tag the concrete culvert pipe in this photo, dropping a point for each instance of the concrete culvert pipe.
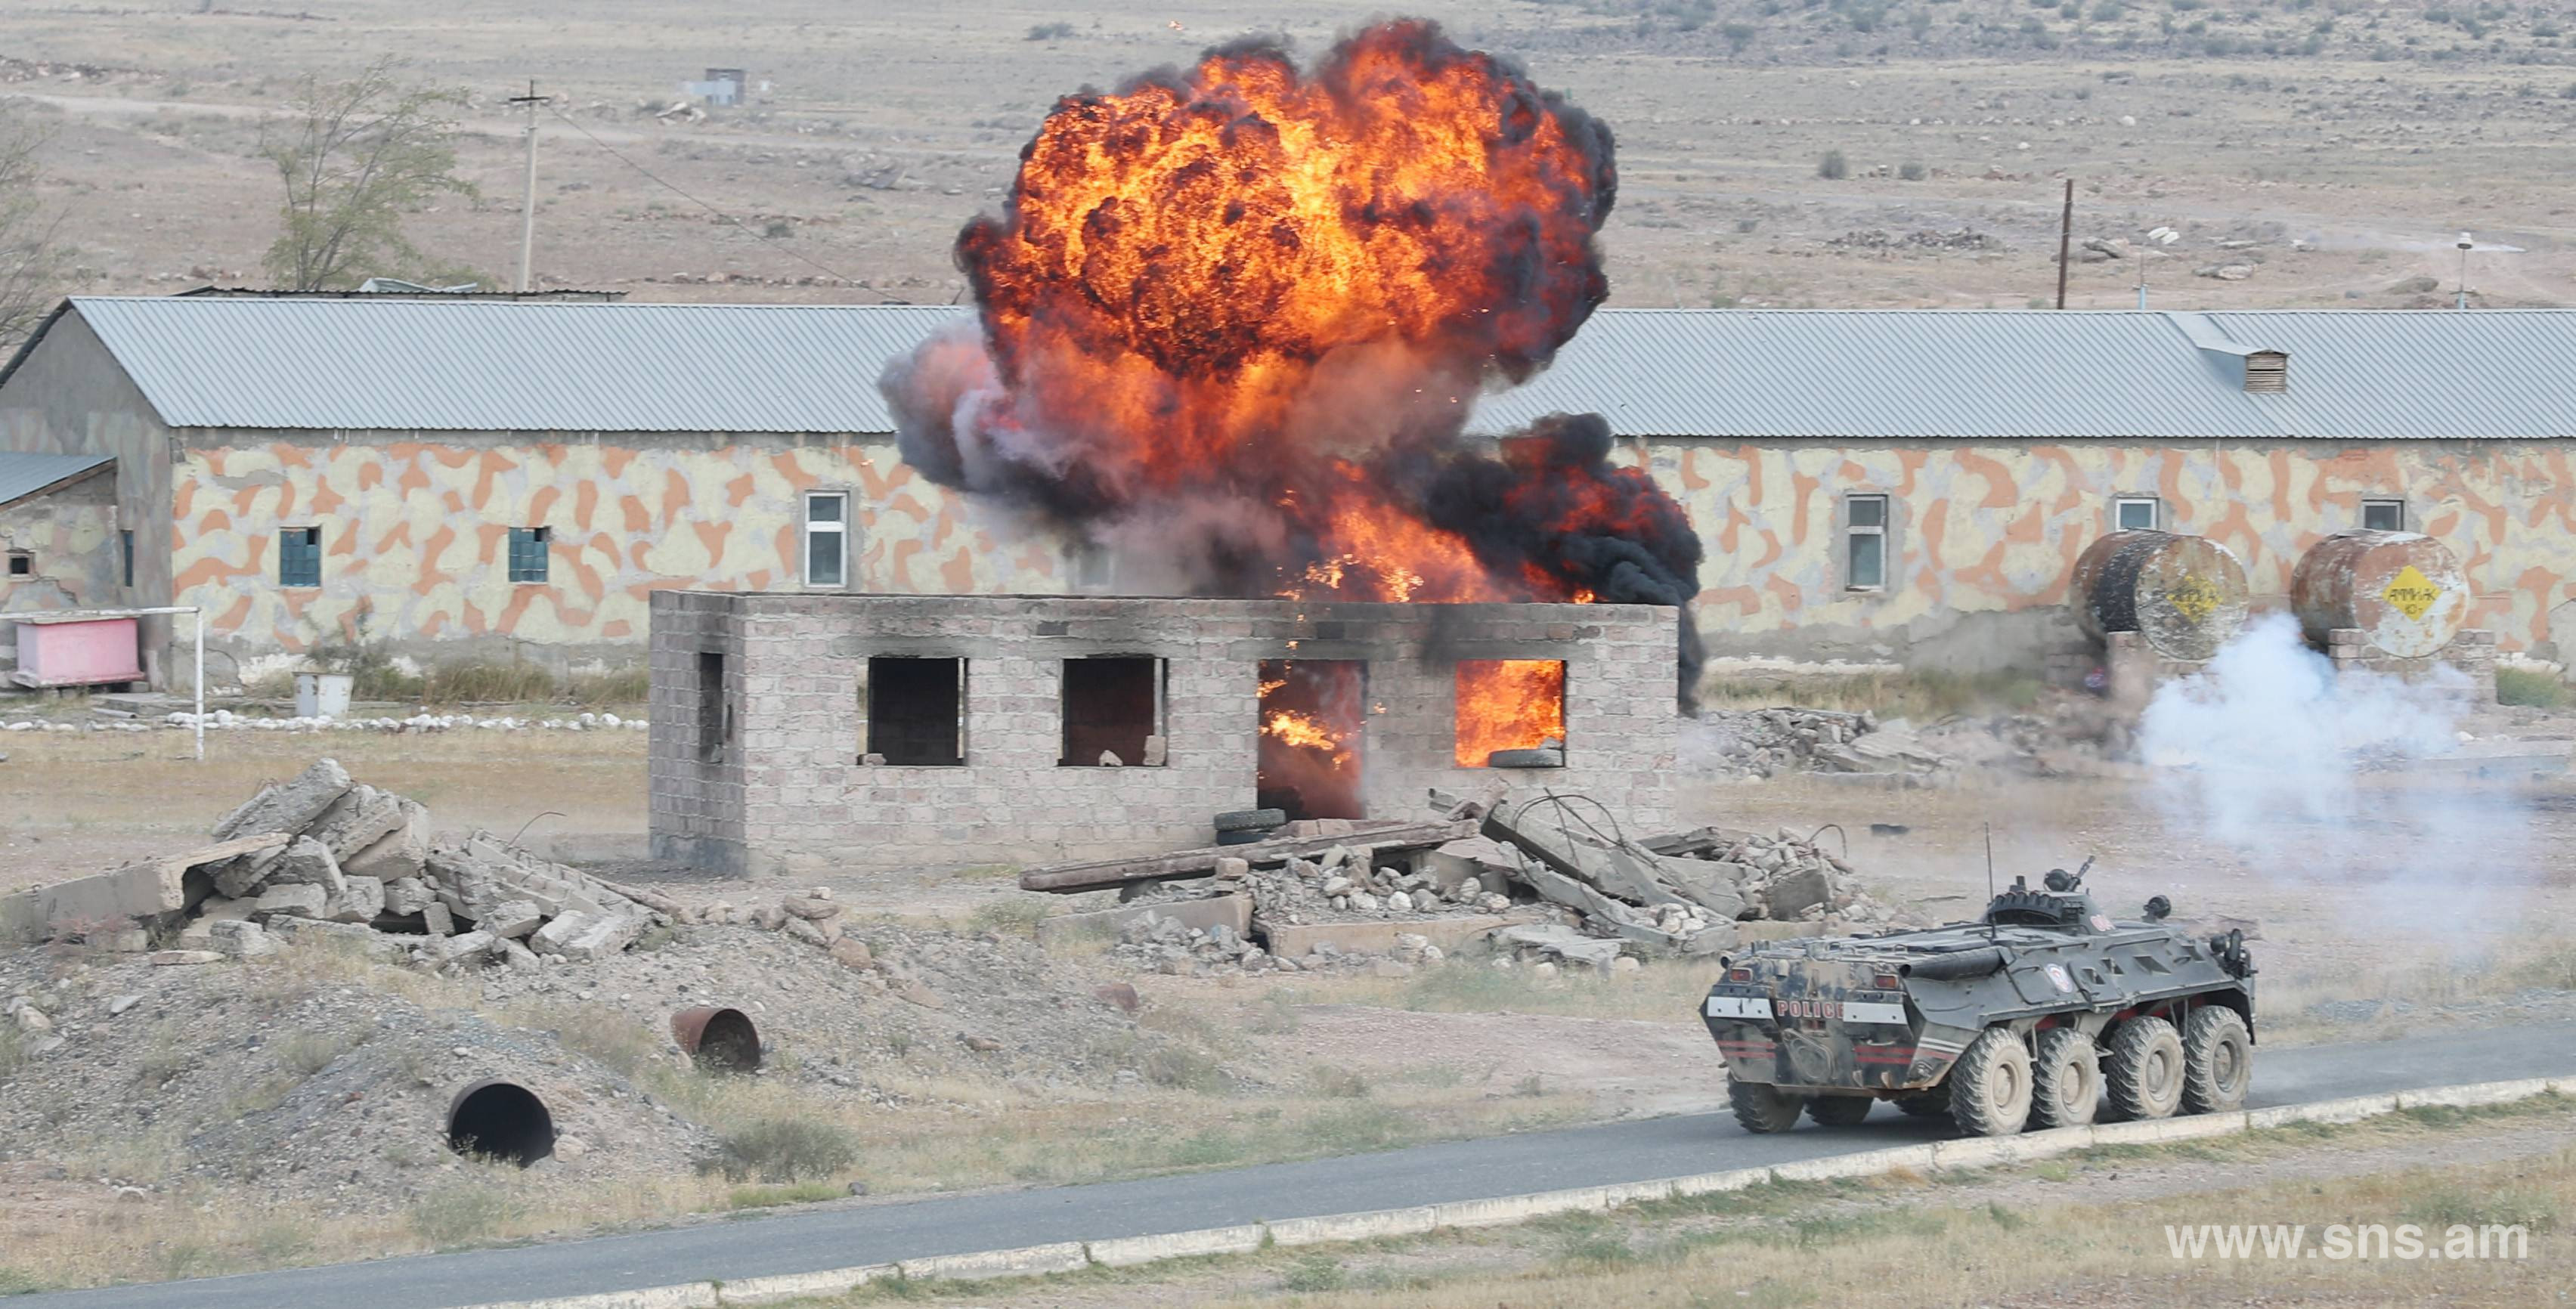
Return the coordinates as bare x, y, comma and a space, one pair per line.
500, 1120
720, 1040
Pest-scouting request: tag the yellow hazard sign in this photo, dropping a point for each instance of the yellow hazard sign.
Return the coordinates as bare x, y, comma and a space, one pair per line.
2411, 593
2193, 597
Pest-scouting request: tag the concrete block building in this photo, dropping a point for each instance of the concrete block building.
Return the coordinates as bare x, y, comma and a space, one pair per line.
489, 477
870, 731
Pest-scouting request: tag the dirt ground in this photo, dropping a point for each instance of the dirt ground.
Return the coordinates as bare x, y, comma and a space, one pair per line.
2330, 152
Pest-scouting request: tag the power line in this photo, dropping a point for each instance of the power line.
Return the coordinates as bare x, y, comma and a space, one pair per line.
674, 189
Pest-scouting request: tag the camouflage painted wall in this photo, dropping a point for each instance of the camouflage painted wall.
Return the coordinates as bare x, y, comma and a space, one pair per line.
1979, 531
1981, 536
416, 532
70, 540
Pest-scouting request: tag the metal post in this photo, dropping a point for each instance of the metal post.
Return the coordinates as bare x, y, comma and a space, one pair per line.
199, 622
528, 205
2066, 236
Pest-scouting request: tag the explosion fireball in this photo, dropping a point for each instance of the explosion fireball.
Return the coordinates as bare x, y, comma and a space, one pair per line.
1235, 317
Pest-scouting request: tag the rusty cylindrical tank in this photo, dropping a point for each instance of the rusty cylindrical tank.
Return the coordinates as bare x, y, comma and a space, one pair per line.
2185, 594
2403, 590
717, 1038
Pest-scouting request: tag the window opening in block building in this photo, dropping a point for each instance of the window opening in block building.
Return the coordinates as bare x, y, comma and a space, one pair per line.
2384, 515
1113, 710
715, 717
827, 534
528, 553
917, 711
1307, 757
21, 564
1865, 542
299, 557
2137, 513
1511, 713
125, 550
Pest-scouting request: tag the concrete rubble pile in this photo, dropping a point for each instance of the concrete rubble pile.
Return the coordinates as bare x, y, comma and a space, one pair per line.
322, 854
1692, 893
1752, 743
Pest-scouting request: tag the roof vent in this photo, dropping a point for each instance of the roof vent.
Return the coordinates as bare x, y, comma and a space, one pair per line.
2267, 370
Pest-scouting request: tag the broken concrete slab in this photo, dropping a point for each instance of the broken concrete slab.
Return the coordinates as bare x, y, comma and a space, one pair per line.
1710, 885
1563, 942
357, 820
1792, 894
398, 853
1101, 873
306, 862
436, 920
555, 935
405, 895
448, 949
359, 900
512, 919
239, 939
1233, 911
182, 958
373, 943
606, 935
288, 806
144, 890
1297, 940
295, 899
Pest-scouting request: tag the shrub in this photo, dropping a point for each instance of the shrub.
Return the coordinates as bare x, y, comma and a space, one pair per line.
1314, 1272
2535, 1210
788, 1150
1051, 32
1911, 170
2530, 686
1738, 36
1833, 167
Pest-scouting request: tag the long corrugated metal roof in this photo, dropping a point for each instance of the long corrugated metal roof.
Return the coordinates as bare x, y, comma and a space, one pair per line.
419, 365
22, 475
411, 365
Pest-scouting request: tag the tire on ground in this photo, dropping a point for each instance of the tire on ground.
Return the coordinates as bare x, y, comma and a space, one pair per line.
2144, 1070
1250, 820
1534, 758
1838, 1110
1241, 838
2217, 1061
2065, 1079
1763, 1108
1990, 1088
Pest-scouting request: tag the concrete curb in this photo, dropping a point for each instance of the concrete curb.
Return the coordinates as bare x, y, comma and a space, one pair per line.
1502, 1211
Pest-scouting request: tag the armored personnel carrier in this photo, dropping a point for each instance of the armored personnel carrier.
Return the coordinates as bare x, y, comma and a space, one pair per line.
2034, 1015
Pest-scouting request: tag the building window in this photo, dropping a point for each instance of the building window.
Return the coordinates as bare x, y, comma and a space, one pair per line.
528, 554
715, 717
125, 551
1091, 567
1113, 706
21, 564
917, 711
827, 530
1865, 542
2384, 515
1511, 713
2137, 513
299, 557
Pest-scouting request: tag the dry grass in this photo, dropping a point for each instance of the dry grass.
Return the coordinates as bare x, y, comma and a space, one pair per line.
1923, 694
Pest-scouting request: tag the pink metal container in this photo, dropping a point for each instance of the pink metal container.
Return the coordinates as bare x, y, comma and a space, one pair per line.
76, 651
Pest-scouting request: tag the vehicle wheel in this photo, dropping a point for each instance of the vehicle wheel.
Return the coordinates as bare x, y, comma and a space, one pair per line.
2217, 1061
2065, 1079
2144, 1072
1250, 820
1763, 1108
1838, 1110
1990, 1085
1934, 1103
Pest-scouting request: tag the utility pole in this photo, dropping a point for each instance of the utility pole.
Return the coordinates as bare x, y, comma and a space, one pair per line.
2065, 237
2466, 244
528, 205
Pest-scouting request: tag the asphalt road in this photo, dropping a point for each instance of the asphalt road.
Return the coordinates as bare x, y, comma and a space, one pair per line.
1429, 1174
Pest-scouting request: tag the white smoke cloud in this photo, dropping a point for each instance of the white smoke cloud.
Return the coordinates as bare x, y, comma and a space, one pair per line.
2274, 755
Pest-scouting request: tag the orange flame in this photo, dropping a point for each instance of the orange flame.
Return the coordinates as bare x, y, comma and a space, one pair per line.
1508, 704
1305, 732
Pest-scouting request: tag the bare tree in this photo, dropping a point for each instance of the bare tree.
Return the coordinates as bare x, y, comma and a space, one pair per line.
28, 263
355, 157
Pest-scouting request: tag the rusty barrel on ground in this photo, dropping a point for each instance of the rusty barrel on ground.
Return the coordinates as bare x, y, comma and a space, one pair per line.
2185, 594
2403, 590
